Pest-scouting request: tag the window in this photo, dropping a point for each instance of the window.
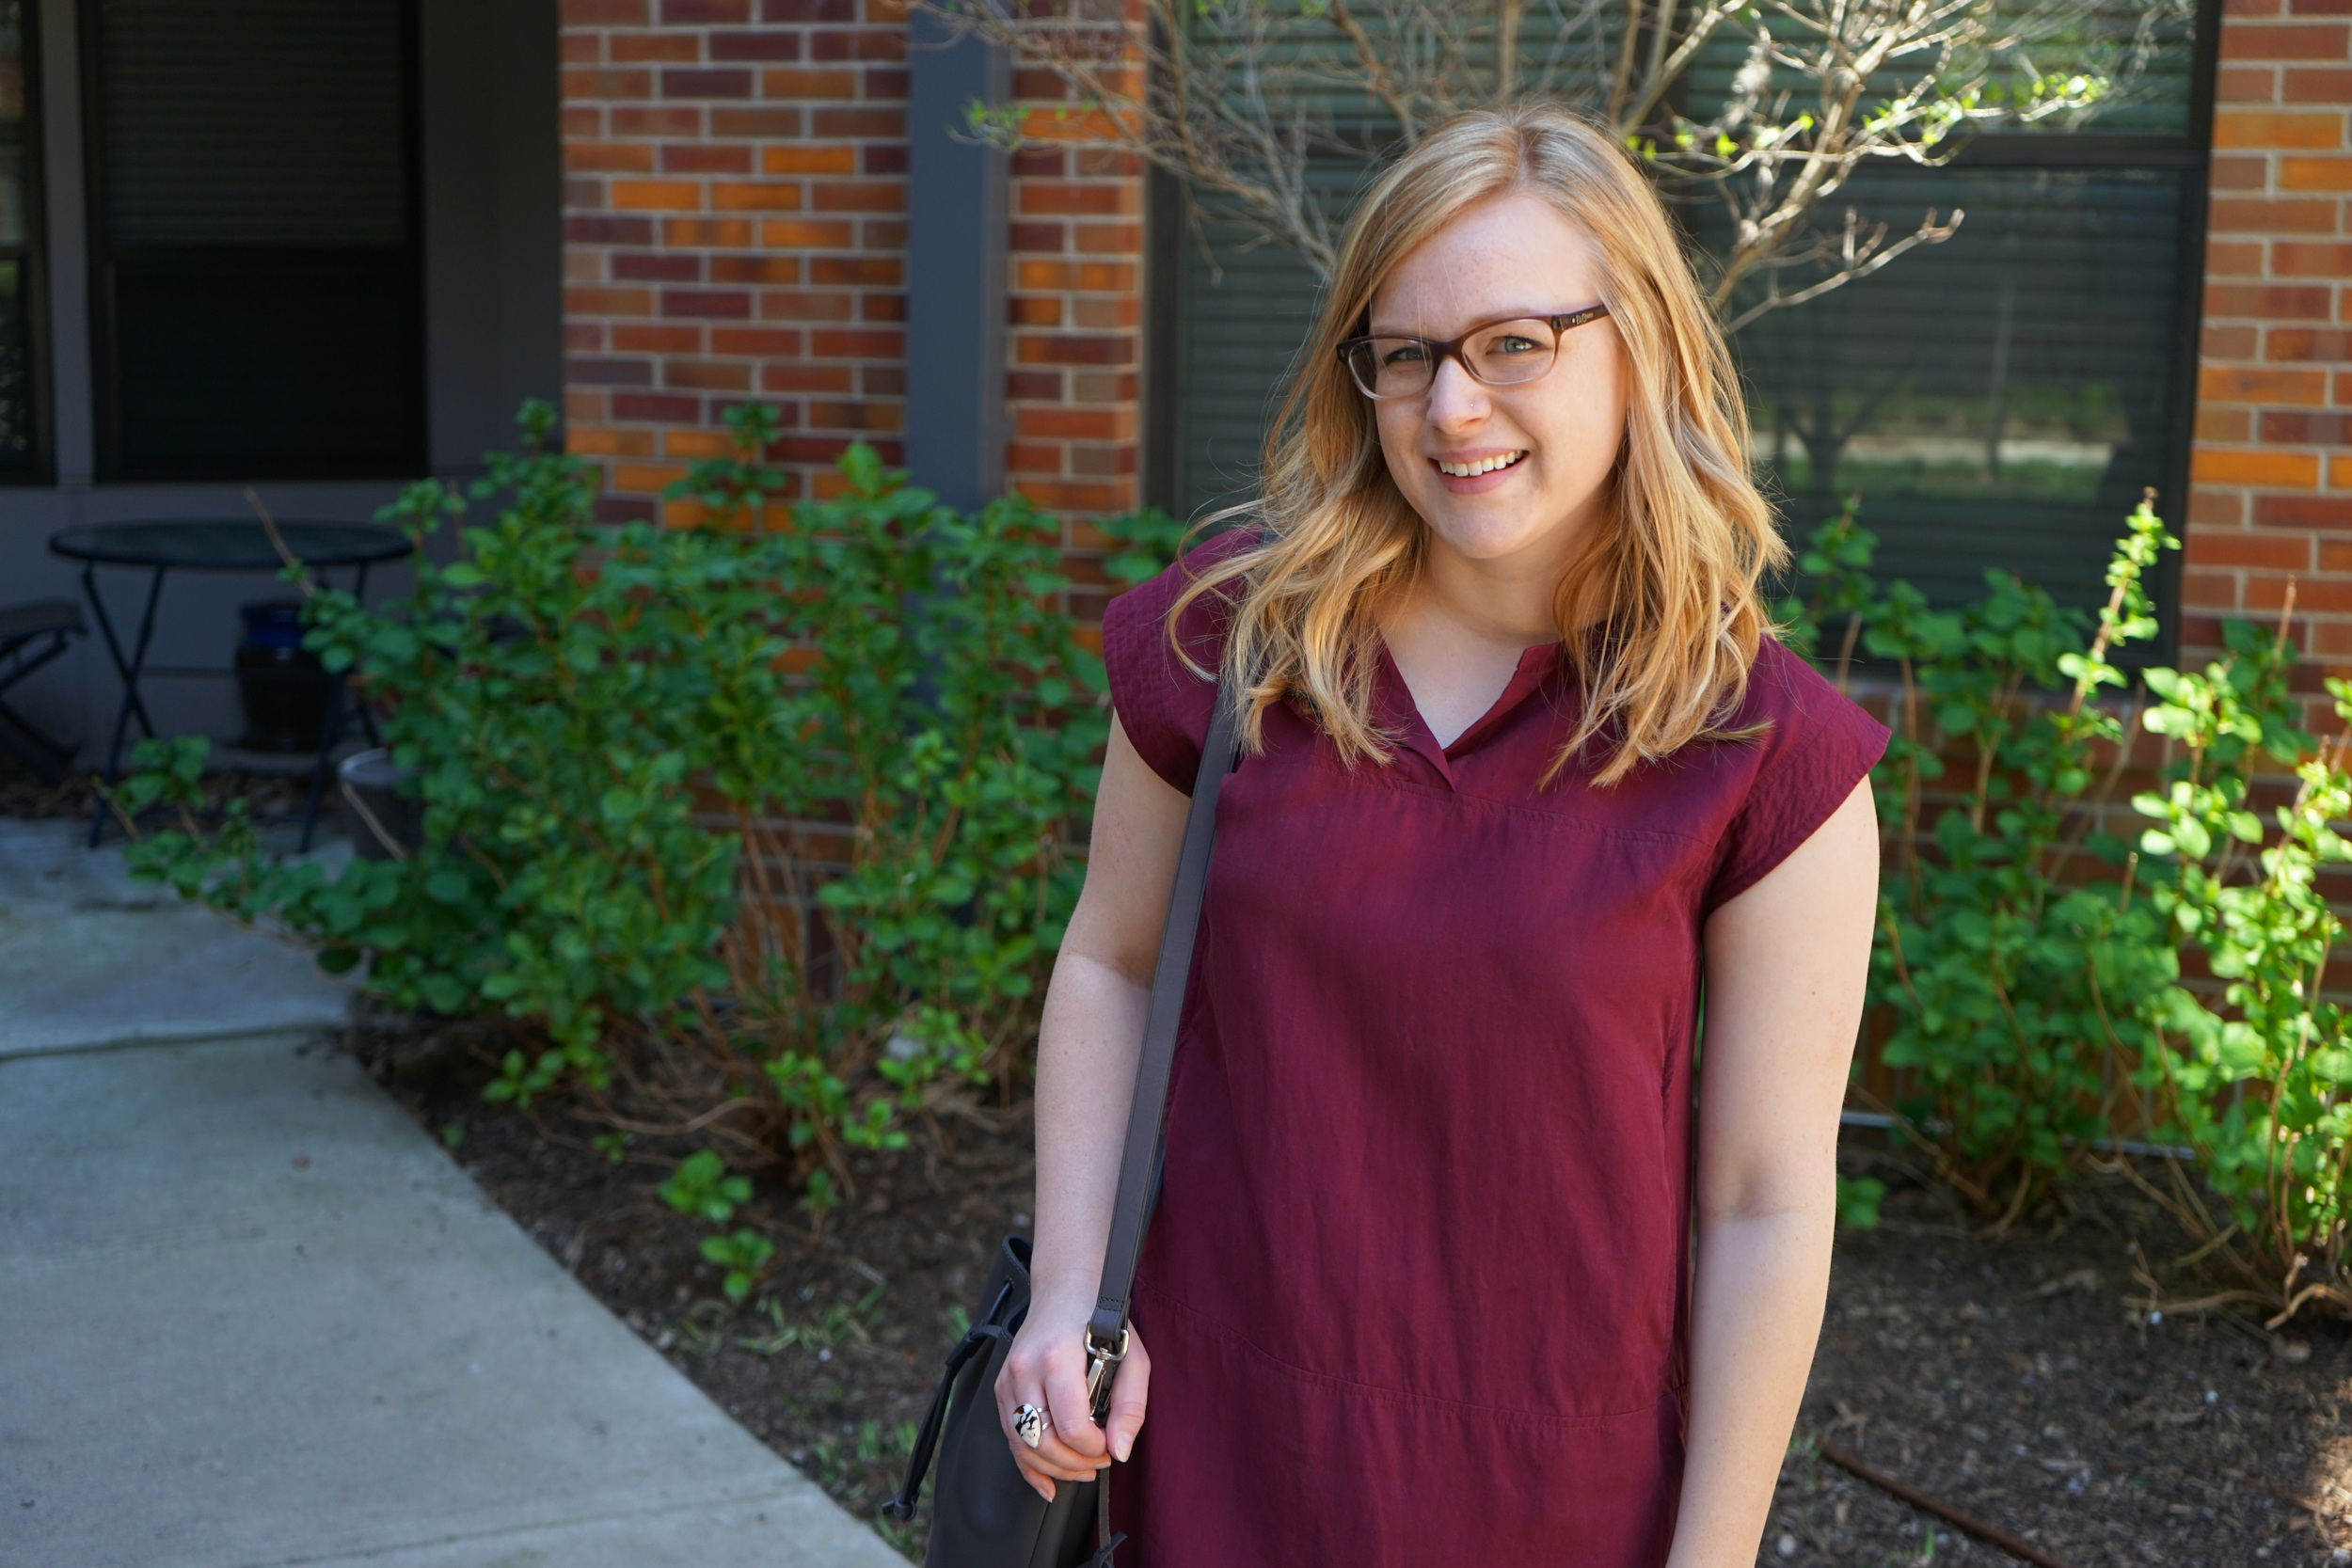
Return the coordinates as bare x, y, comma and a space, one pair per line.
256, 270
24, 435
2000, 399
1242, 311
2003, 398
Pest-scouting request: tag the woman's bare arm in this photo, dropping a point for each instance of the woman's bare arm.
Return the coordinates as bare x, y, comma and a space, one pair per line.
1088, 1045
1785, 961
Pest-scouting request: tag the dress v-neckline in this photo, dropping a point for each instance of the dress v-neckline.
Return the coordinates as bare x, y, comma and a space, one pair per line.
1536, 665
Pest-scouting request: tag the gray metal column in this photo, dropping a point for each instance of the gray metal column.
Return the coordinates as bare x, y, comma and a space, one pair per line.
73, 435
955, 409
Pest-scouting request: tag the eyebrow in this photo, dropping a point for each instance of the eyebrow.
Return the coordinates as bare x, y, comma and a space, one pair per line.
1376, 330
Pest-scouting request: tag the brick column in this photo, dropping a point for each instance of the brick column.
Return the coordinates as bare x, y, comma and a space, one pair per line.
731, 228
2271, 477
735, 228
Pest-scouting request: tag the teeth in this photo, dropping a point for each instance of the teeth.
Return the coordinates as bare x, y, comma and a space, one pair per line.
1484, 466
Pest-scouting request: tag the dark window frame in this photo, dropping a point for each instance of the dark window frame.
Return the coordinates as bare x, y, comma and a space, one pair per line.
1163, 336
32, 259
111, 463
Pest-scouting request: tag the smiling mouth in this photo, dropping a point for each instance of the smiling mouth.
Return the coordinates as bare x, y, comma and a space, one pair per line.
1482, 466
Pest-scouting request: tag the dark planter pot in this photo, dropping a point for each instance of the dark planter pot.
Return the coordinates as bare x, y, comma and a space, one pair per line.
379, 798
281, 684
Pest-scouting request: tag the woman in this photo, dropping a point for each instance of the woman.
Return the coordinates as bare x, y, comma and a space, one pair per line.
1522, 767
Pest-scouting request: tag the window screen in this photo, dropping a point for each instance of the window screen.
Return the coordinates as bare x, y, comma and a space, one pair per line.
257, 294
1242, 310
1998, 399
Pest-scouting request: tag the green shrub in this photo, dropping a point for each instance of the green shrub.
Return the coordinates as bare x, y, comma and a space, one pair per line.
702, 1187
2014, 968
1858, 1199
1148, 539
2028, 972
2256, 1086
763, 816
745, 1256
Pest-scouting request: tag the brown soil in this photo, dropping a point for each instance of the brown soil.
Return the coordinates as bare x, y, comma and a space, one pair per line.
2019, 1380
277, 796
2024, 1382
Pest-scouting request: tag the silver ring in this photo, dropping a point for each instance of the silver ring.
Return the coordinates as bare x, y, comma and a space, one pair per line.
1029, 1423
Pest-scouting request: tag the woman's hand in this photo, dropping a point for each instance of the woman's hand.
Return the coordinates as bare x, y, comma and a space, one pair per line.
1047, 1368
1087, 1041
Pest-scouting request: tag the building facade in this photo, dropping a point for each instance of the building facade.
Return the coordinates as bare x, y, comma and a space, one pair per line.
654, 209
2272, 464
736, 225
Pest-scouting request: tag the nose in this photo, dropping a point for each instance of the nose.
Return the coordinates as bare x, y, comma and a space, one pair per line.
1455, 398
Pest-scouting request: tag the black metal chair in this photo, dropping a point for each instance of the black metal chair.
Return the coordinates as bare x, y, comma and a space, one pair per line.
31, 635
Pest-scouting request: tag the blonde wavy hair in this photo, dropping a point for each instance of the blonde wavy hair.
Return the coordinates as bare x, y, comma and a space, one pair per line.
1671, 584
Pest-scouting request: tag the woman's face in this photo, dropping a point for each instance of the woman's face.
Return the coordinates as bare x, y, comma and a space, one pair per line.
1511, 254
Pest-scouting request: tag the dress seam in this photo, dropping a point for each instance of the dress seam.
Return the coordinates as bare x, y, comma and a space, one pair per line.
1399, 1396
1560, 819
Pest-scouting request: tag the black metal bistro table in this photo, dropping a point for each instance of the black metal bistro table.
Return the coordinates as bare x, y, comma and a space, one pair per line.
228, 546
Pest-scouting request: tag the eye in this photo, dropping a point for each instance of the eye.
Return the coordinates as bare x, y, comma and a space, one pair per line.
1512, 343
1409, 352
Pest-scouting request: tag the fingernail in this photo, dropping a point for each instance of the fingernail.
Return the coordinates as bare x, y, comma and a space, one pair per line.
1126, 1445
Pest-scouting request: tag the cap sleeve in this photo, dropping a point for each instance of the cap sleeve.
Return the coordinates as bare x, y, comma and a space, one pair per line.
1820, 745
1164, 706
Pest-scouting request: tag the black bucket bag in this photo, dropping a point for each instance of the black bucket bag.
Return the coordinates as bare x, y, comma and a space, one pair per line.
983, 1513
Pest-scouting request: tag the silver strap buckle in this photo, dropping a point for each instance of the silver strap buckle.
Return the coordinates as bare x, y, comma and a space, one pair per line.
1102, 1361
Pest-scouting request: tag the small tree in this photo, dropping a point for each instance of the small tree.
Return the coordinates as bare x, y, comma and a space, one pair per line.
1242, 98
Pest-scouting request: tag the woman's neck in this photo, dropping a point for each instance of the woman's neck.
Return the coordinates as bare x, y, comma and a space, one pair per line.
1457, 633
1457, 639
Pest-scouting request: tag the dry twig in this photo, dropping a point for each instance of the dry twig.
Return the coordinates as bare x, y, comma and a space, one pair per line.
1991, 1535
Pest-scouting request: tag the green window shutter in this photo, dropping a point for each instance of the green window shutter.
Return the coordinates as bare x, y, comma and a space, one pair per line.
1244, 310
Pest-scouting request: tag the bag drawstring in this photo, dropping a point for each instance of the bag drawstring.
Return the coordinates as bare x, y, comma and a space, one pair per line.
901, 1507
1102, 1559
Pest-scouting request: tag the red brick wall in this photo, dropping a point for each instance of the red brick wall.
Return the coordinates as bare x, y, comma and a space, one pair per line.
735, 228
1074, 334
2271, 472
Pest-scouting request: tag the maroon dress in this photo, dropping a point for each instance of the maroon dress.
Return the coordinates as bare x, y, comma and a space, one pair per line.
1416, 1291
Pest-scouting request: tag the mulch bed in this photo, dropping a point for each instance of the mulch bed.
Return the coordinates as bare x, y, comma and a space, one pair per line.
273, 797
2018, 1380
2023, 1382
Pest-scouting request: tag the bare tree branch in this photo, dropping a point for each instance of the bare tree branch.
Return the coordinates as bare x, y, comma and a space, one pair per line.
1242, 98
1376, 74
1860, 259
1506, 49
1622, 82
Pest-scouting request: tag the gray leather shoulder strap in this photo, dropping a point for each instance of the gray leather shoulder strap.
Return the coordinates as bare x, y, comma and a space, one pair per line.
1138, 1168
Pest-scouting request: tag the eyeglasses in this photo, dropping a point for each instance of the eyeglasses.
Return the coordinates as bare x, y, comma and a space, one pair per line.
1499, 353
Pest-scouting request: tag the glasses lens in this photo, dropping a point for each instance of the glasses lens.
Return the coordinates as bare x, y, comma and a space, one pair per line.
1391, 366
1511, 352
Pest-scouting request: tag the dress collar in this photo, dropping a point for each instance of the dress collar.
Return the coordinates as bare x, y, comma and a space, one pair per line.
1394, 702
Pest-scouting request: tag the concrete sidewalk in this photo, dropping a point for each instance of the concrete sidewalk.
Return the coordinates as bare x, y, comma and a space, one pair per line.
90, 958
250, 1314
